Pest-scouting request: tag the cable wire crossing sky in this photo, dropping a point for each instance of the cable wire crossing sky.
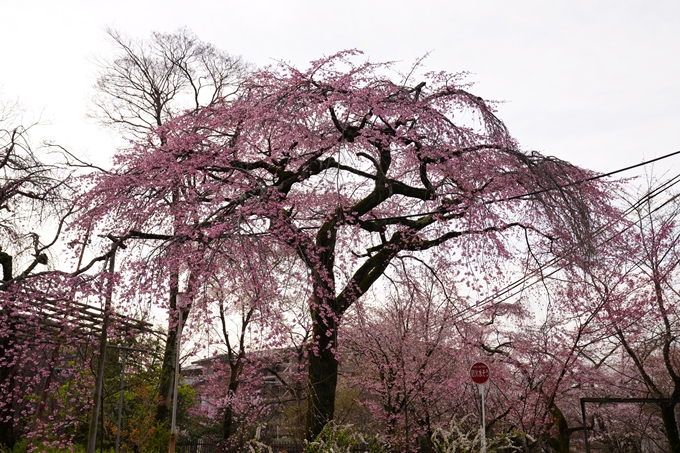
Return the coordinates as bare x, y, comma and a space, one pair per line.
593, 83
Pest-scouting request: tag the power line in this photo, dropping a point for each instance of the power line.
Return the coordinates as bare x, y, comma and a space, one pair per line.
666, 156
593, 178
540, 191
520, 285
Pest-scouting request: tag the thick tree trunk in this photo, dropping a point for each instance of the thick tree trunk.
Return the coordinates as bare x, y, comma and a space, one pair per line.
228, 423
164, 408
323, 375
561, 443
6, 263
7, 434
236, 363
670, 425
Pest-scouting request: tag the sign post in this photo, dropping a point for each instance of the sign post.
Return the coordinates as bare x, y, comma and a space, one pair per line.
479, 373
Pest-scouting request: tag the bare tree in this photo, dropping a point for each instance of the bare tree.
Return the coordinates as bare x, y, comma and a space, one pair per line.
31, 191
31, 194
147, 83
150, 81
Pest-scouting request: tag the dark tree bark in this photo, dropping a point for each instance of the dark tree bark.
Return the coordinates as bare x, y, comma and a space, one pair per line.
236, 355
303, 157
229, 425
8, 435
670, 425
147, 84
561, 443
6, 262
323, 375
165, 390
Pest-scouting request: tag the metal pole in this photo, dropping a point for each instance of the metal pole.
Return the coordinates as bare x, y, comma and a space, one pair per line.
481, 390
120, 399
173, 424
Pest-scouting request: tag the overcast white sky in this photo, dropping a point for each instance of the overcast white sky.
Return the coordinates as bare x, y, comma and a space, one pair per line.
593, 82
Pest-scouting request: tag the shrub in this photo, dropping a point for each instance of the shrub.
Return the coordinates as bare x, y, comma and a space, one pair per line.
345, 439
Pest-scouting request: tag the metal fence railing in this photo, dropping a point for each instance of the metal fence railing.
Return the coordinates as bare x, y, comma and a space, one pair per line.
198, 446
276, 445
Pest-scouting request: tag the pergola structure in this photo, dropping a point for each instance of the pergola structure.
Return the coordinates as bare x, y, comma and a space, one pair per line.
82, 320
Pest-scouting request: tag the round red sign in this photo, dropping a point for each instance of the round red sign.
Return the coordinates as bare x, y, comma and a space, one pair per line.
479, 372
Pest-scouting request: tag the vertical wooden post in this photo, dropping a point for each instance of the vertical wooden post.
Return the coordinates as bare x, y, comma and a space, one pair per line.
99, 383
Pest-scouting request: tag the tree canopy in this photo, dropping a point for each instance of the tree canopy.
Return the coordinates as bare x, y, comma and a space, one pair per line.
350, 234
350, 165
